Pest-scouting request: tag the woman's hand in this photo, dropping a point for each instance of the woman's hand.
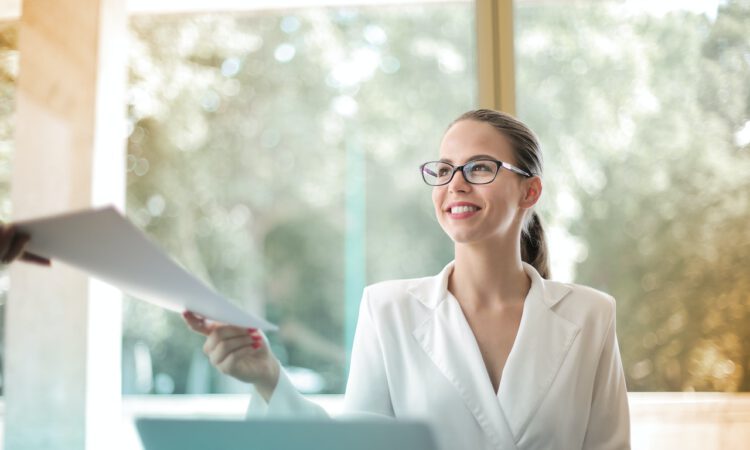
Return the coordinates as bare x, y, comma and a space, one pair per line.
239, 352
12, 246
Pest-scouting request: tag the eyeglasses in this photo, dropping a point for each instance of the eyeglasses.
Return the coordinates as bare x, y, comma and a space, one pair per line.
479, 171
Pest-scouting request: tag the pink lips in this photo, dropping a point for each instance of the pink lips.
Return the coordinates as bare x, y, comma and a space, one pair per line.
462, 215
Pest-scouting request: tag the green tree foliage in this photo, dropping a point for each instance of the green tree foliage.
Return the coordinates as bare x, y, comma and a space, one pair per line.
640, 118
243, 131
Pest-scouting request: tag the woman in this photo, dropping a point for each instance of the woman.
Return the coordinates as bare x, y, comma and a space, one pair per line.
489, 351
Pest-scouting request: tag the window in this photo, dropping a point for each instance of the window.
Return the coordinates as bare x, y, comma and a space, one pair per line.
643, 110
276, 155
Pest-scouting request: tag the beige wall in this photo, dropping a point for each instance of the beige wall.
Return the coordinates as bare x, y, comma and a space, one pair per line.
62, 331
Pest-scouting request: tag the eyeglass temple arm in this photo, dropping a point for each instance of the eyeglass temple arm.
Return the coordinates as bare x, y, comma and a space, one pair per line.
515, 169
425, 169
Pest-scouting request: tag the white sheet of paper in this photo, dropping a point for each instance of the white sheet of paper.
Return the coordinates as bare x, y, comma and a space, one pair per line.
109, 247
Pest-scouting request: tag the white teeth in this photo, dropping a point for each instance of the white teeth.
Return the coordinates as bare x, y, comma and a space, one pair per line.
463, 209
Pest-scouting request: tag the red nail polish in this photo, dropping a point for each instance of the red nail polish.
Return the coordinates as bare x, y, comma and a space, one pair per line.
255, 345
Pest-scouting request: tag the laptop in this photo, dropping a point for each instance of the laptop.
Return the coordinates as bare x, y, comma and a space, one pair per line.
296, 434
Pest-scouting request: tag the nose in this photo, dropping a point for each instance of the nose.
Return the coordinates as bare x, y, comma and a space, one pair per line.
458, 183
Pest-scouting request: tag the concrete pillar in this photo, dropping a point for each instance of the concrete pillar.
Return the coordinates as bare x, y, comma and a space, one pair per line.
63, 331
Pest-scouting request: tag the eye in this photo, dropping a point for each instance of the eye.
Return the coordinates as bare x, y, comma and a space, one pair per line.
482, 167
443, 171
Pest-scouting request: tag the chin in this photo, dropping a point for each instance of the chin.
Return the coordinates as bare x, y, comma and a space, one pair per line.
464, 236
475, 234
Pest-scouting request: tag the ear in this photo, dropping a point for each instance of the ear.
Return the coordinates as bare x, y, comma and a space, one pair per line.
532, 190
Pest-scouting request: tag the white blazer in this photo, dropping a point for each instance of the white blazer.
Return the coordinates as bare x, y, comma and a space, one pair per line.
415, 356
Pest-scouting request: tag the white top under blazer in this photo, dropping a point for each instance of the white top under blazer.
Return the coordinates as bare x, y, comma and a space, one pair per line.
415, 357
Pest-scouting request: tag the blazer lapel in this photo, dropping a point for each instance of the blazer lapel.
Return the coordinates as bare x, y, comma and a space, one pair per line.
542, 343
449, 342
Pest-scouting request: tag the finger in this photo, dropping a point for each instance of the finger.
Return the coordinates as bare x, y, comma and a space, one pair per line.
35, 259
247, 351
16, 247
221, 333
225, 348
6, 238
197, 323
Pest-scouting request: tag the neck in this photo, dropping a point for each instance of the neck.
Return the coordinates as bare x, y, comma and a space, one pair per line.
489, 275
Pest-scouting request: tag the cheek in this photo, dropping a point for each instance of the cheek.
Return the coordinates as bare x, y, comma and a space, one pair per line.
498, 203
437, 198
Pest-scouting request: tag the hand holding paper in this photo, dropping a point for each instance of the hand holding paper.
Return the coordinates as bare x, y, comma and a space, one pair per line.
108, 247
13, 246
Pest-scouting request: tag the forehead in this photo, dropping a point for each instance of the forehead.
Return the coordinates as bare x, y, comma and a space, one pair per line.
468, 138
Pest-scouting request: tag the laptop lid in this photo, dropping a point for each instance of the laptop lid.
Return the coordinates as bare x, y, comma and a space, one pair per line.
188, 434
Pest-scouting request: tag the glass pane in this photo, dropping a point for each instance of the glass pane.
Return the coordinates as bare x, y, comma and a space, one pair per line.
8, 75
276, 156
643, 109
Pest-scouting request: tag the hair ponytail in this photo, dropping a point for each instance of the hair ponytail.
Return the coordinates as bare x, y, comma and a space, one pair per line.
528, 155
534, 245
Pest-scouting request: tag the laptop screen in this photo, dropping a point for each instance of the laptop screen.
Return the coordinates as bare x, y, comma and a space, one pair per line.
183, 434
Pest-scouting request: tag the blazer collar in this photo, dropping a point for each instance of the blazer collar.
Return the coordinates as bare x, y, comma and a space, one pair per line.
433, 290
542, 342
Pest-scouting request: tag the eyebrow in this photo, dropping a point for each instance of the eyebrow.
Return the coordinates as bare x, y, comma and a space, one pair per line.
473, 158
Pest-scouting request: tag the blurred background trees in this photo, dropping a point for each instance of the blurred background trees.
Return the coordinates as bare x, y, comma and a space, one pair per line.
645, 121
275, 156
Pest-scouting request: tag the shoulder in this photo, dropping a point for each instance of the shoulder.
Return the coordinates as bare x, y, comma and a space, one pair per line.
393, 291
591, 310
395, 286
397, 300
583, 304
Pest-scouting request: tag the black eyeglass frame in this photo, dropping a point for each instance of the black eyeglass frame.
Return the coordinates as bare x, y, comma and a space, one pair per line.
470, 164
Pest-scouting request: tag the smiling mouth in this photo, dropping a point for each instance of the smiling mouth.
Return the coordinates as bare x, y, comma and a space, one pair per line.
463, 209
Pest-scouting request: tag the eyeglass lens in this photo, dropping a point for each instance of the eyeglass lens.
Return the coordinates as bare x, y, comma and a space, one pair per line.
437, 173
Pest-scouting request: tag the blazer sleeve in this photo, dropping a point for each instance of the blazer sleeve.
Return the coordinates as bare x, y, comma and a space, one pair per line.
285, 402
367, 392
609, 418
